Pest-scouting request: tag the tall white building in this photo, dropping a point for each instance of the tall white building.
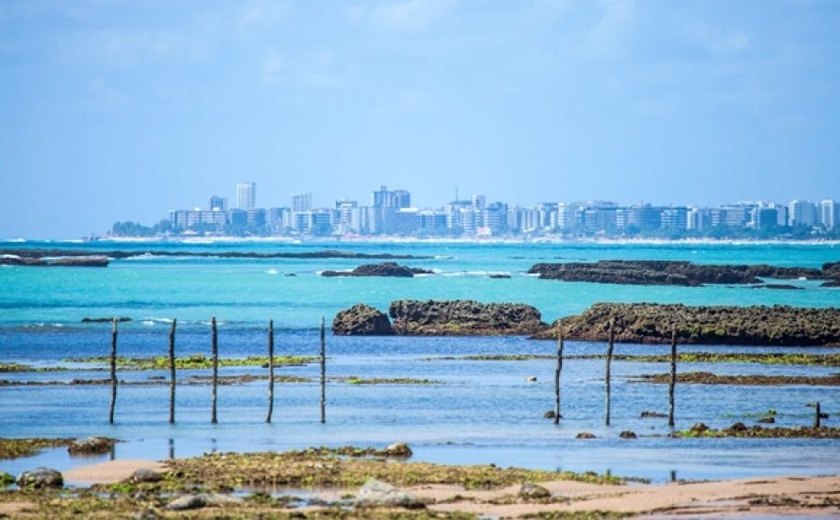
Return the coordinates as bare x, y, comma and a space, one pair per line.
246, 195
828, 213
801, 213
301, 202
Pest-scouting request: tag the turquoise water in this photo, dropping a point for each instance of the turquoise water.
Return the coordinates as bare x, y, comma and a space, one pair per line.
475, 412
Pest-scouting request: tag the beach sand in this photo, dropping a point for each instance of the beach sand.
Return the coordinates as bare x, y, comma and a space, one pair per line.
109, 472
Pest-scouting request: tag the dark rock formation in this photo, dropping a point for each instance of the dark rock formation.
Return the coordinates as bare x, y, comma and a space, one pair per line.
715, 325
40, 478
90, 446
699, 428
145, 475
187, 502
531, 491
648, 414
782, 286
667, 272
585, 435
378, 493
767, 420
463, 318
397, 449
362, 320
106, 319
627, 434
62, 261
383, 269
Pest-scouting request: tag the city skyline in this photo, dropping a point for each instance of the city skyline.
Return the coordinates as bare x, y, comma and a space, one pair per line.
115, 110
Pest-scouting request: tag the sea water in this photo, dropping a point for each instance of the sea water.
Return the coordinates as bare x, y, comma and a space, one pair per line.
467, 412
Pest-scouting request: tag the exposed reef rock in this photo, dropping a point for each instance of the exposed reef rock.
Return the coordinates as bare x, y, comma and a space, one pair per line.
362, 320
121, 254
463, 318
383, 269
718, 325
668, 272
440, 318
54, 261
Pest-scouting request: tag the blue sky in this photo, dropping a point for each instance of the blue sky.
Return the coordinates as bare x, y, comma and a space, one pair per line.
123, 110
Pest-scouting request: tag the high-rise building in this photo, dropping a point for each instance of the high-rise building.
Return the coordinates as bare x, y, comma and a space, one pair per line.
246, 195
218, 203
801, 213
301, 202
828, 213
385, 198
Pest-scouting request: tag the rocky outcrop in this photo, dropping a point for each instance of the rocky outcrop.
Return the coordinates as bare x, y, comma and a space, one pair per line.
463, 318
362, 320
376, 493
384, 269
715, 325
62, 261
668, 272
91, 446
40, 478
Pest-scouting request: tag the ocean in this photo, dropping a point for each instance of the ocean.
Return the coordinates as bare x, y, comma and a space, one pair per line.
467, 412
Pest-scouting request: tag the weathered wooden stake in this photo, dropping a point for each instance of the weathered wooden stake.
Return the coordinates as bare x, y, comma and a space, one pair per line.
270, 370
215, 348
172, 372
673, 383
607, 377
817, 414
113, 371
323, 372
557, 377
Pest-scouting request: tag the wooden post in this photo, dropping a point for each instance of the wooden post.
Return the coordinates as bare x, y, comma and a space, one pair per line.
215, 383
557, 377
172, 372
323, 372
270, 370
817, 414
607, 376
673, 383
113, 371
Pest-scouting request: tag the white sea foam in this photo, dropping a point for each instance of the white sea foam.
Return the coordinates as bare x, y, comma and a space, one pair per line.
272, 271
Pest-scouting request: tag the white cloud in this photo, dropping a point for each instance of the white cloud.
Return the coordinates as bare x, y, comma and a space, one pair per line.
406, 15
263, 13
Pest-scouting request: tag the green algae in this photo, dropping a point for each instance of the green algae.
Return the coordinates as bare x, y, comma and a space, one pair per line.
16, 448
195, 361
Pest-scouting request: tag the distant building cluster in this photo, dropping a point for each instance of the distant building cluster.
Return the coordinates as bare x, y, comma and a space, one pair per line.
390, 213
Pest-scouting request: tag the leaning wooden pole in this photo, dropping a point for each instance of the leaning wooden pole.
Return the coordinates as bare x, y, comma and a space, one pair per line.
172, 372
215, 383
113, 371
323, 372
607, 375
673, 382
270, 370
557, 371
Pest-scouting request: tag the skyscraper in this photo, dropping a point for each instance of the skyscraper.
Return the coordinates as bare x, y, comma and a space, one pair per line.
246, 195
301, 202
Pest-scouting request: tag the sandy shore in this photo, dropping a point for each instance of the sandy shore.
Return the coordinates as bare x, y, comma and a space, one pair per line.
109, 472
771, 496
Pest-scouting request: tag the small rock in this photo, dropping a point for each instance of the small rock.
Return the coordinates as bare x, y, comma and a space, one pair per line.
187, 502
40, 478
627, 434
531, 491
699, 428
398, 449
145, 475
738, 427
6, 479
378, 493
219, 500
549, 414
147, 514
647, 414
90, 445
585, 435
531, 379
767, 420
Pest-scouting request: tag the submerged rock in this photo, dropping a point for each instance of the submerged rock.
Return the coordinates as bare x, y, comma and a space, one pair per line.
627, 434
378, 493
699, 428
362, 320
145, 475
585, 435
398, 449
549, 415
647, 414
40, 478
